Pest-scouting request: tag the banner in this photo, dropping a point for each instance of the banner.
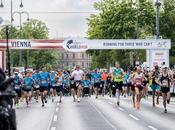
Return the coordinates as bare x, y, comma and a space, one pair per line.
79, 45
32, 44
157, 57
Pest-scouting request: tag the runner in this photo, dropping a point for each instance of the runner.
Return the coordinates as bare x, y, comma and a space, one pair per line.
44, 84
86, 86
118, 74
104, 76
17, 87
138, 83
154, 84
96, 77
52, 84
165, 80
28, 84
125, 84
59, 84
77, 76
66, 83
36, 87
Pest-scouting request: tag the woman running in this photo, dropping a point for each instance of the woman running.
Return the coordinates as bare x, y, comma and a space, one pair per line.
165, 80
138, 83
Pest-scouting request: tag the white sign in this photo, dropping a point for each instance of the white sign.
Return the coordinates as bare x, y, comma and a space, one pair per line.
157, 57
76, 45
79, 45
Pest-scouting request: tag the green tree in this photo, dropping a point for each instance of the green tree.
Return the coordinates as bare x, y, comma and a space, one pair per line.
33, 29
117, 20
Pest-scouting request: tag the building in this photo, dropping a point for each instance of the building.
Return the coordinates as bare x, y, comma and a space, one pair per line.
70, 59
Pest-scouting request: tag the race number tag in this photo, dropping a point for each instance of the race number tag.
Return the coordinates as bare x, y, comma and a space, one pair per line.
17, 87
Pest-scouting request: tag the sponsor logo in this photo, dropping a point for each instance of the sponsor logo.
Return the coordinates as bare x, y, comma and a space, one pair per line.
75, 45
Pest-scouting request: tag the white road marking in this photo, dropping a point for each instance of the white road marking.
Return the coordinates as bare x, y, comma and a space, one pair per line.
121, 109
57, 109
50, 122
53, 128
110, 103
153, 128
58, 104
113, 127
55, 118
134, 117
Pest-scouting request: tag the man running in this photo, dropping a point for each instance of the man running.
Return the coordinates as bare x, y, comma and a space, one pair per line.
17, 85
118, 74
44, 85
97, 80
77, 76
28, 85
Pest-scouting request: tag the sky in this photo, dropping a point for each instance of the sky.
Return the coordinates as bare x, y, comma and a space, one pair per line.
59, 24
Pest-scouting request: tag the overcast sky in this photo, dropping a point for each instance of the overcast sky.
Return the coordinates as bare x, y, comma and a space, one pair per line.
59, 24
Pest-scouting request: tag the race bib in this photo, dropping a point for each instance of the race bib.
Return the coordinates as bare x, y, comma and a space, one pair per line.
77, 83
72, 82
43, 81
17, 87
36, 86
165, 83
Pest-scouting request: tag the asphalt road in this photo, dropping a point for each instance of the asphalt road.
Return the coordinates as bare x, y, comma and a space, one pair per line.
95, 114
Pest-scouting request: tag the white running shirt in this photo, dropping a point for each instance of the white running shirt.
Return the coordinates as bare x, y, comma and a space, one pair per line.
77, 74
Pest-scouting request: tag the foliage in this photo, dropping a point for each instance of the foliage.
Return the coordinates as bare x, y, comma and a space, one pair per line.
127, 19
32, 29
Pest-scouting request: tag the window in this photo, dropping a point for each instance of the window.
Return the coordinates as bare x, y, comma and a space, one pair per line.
73, 56
62, 55
82, 55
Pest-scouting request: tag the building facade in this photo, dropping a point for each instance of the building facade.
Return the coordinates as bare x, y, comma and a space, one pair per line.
70, 59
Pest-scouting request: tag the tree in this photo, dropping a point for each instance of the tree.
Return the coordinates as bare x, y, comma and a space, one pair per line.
33, 29
117, 20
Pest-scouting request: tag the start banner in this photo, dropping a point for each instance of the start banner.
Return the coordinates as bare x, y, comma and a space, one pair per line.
79, 45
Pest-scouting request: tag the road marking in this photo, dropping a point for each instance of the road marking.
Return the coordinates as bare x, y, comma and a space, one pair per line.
121, 109
101, 114
134, 117
58, 104
110, 103
153, 128
53, 128
55, 118
57, 109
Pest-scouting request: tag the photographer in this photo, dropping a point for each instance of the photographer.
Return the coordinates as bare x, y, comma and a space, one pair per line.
7, 113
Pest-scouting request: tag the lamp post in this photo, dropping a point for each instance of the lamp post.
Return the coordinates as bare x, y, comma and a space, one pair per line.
20, 19
8, 51
11, 19
157, 4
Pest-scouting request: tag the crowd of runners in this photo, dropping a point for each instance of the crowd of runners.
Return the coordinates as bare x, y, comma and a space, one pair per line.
135, 82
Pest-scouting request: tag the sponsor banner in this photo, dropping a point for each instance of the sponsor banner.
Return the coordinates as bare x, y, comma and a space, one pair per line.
157, 57
32, 44
79, 45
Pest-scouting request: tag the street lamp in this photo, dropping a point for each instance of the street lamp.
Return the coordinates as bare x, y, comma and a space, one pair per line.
157, 4
11, 19
20, 19
1, 5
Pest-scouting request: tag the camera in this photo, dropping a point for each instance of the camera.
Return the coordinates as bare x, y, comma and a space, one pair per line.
7, 113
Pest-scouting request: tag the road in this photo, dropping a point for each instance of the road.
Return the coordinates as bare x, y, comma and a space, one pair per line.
95, 114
